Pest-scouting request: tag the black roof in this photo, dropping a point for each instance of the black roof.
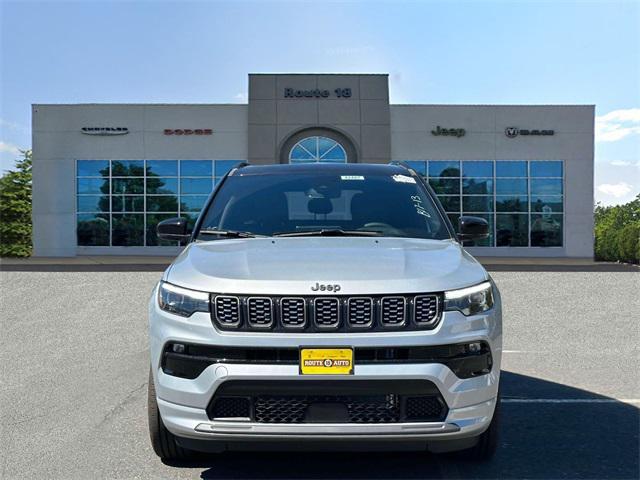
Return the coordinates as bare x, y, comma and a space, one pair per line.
326, 168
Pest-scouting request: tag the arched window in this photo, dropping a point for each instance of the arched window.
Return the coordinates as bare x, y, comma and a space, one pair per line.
317, 149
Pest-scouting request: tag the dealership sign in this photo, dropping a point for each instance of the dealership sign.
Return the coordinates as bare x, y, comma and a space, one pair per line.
188, 131
513, 132
317, 93
452, 132
104, 130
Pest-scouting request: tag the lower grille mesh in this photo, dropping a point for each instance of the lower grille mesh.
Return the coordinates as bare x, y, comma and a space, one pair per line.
231, 407
358, 408
423, 408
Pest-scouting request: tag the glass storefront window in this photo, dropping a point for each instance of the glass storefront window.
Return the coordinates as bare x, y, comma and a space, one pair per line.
127, 203
120, 202
93, 229
511, 186
127, 229
92, 168
317, 149
127, 186
194, 186
162, 186
477, 203
546, 204
546, 186
92, 203
162, 203
507, 168
444, 168
445, 186
477, 186
545, 168
92, 186
512, 203
162, 168
476, 168
196, 168
546, 230
127, 168
192, 203
519, 197
512, 230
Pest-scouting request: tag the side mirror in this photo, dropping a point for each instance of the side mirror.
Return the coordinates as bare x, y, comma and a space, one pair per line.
472, 228
173, 229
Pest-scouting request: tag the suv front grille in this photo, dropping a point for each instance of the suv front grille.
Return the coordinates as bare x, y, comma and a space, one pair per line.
260, 311
293, 312
426, 309
394, 311
322, 313
227, 310
326, 312
360, 311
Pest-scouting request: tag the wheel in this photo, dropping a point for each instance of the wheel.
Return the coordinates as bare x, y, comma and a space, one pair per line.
162, 440
488, 441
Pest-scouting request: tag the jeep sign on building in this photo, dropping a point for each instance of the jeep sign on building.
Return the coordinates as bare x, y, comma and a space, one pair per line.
106, 174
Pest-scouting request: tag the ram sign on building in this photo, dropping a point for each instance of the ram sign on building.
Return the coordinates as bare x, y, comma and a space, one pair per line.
106, 174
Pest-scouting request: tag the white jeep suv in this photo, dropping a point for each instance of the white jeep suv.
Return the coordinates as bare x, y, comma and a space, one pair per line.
324, 305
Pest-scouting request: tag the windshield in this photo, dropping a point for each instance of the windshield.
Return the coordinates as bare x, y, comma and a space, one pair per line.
383, 204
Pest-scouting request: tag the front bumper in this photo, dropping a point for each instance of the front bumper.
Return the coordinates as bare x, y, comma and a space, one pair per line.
183, 402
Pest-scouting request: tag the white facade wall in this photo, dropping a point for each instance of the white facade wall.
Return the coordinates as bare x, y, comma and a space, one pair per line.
485, 139
58, 143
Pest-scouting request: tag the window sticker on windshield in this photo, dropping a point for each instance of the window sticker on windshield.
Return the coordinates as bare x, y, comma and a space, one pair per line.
351, 177
417, 203
404, 179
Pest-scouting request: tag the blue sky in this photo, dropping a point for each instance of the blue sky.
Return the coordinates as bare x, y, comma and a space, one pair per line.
435, 52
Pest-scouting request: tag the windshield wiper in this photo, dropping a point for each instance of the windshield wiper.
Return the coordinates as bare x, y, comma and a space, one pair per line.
333, 232
228, 233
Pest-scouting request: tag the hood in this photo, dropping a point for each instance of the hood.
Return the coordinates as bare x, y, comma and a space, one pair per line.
291, 266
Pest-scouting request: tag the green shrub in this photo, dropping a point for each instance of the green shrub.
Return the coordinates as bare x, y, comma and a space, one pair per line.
617, 232
15, 209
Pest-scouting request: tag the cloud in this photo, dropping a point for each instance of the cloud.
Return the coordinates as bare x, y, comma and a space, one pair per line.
624, 163
618, 124
617, 190
13, 126
241, 97
9, 148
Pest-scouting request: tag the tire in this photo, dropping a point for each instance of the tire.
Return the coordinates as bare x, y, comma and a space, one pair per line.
488, 441
162, 440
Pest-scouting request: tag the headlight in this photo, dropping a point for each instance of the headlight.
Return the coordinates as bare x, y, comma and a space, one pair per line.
470, 300
182, 301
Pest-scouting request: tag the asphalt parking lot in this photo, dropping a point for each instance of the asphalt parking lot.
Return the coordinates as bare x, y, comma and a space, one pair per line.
75, 363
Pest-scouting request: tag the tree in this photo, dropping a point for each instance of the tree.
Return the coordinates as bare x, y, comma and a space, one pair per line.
15, 209
617, 232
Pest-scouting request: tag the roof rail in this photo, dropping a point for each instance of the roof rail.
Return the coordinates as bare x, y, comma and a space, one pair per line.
238, 166
403, 164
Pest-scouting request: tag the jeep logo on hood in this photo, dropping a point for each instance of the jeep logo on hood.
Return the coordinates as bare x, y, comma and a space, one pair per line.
326, 287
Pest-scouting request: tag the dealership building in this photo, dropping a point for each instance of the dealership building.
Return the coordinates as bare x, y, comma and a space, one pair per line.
104, 175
